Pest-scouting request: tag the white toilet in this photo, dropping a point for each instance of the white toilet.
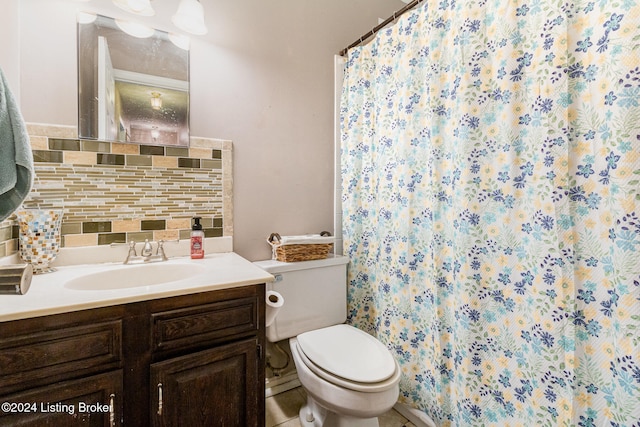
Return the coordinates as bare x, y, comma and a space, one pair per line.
349, 376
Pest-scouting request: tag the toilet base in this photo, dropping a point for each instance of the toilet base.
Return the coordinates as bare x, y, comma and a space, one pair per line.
314, 415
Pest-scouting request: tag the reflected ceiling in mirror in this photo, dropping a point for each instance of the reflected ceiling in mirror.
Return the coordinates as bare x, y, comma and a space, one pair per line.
132, 89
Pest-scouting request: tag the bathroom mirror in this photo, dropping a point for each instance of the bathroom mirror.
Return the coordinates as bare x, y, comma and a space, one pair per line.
131, 88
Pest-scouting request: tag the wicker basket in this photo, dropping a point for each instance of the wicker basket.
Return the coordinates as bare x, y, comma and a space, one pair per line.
295, 253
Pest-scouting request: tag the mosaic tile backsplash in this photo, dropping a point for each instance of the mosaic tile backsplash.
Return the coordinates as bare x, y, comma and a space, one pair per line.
117, 192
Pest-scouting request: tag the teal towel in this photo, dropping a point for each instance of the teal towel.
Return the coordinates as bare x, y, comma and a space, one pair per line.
16, 158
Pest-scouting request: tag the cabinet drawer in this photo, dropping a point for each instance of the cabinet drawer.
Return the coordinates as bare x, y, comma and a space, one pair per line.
192, 327
36, 358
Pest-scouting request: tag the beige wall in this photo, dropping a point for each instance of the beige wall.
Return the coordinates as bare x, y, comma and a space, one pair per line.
262, 77
10, 46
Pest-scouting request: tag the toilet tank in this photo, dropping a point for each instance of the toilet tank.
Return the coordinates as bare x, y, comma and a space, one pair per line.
314, 292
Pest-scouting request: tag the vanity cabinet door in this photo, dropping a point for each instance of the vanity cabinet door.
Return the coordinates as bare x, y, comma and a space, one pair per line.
216, 387
94, 401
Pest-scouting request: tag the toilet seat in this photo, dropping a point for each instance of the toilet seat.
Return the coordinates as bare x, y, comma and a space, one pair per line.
349, 358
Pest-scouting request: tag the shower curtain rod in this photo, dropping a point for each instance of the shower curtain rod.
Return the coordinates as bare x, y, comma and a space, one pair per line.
381, 25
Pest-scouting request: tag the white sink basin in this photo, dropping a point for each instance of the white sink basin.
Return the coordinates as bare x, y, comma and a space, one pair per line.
133, 276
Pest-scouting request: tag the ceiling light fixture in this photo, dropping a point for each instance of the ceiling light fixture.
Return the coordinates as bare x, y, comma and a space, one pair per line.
180, 40
139, 7
156, 101
190, 17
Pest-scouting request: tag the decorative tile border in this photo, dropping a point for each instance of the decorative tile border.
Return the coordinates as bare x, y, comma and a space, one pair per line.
8, 237
117, 192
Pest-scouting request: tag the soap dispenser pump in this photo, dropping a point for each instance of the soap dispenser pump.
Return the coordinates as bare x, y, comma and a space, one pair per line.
197, 239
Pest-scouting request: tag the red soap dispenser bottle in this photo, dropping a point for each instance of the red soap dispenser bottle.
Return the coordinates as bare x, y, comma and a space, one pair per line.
197, 239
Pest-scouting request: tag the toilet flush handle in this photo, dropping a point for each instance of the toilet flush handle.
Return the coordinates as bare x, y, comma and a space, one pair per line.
278, 277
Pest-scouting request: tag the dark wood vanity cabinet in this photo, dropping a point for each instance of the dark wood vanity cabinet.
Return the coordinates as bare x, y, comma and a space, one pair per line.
192, 360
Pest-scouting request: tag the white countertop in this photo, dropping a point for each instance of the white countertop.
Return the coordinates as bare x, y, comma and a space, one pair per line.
48, 294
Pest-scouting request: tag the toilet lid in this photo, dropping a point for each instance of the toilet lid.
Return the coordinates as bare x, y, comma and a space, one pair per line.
349, 353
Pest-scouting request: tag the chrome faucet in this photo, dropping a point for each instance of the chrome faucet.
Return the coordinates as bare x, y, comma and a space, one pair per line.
146, 254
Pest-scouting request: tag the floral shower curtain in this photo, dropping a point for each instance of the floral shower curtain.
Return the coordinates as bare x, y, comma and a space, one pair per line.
490, 163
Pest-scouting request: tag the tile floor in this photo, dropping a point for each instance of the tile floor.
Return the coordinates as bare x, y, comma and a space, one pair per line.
282, 411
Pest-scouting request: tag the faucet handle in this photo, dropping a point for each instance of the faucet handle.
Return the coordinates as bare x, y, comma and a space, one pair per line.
132, 248
160, 250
